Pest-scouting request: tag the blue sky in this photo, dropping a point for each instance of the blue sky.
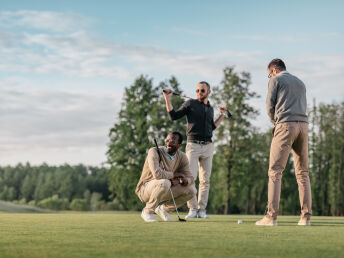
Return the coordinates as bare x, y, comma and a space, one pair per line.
64, 64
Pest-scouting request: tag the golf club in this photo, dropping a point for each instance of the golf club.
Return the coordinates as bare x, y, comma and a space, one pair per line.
229, 113
163, 166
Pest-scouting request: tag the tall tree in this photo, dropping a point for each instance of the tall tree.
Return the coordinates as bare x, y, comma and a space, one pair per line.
232, 135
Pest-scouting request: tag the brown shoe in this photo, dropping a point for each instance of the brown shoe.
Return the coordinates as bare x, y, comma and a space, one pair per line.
304, 222
266, 221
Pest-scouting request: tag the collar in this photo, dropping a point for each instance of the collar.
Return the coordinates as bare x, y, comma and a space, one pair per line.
168, 155
201, 102
283, 72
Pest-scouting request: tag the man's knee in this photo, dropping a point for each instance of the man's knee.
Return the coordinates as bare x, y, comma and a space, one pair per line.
191, 191
302, 175
204, 181
163, 183
275, 175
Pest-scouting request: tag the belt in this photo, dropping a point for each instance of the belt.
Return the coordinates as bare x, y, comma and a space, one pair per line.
199, 142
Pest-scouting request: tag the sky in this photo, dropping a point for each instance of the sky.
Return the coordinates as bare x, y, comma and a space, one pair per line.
64, 65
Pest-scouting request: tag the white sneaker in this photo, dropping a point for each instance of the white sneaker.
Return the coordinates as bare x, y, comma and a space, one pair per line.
304, 222
202, 214
266, 221
163, 214
192, 214
148, 217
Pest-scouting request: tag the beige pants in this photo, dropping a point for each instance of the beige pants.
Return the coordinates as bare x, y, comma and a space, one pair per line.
155, 192
289, 136
200, 158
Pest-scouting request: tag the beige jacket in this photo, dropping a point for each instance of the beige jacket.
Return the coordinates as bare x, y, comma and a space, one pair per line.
153, 170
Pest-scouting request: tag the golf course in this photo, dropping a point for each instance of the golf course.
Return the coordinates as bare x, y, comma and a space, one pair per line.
124, 234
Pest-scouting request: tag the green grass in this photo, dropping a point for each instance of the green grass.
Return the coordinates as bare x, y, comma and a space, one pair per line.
124, 234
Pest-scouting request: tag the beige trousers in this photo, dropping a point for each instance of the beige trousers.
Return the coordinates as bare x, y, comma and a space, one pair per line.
200, 158
289, 136
156, 192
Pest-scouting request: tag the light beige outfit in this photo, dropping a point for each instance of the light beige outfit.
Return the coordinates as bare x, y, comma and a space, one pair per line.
289, 136
200, 157
286, 104
154, 184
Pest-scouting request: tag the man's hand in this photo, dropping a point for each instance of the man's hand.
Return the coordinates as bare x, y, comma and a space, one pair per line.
175, 181
223, 110
167, 94
168, 99
182, 177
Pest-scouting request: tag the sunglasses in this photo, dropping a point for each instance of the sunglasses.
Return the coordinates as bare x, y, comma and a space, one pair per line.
201, 90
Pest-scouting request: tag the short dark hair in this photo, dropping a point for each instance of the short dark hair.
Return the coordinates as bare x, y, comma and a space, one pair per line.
277, 64
180, 136
205, 83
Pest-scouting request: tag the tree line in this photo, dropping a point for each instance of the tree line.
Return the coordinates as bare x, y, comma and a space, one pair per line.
56, 187
239, 175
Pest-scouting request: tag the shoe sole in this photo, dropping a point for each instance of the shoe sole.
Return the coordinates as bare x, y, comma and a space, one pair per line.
269, 225
163, 217
149, 221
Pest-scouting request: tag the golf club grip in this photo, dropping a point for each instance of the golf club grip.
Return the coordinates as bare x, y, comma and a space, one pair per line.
158, 150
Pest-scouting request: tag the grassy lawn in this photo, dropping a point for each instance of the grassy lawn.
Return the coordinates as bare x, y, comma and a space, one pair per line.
124, 234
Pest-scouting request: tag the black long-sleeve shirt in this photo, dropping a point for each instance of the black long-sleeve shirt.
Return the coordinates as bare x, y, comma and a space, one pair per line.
200, 118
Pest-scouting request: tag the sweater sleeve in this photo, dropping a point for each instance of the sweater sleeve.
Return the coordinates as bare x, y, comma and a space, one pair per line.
154, 166
184, 168
271, 99
174, 115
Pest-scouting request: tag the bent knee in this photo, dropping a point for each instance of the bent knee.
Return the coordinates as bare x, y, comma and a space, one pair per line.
164, 183
275, 175
191, 190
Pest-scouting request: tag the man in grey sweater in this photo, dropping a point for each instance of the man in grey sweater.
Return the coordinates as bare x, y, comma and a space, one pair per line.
286, 106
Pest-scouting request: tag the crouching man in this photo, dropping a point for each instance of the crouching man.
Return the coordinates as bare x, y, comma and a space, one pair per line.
155, 182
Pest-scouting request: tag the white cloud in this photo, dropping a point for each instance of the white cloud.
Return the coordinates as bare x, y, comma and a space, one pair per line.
54, 125
43, 20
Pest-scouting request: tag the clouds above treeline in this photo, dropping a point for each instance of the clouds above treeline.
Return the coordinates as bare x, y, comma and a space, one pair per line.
55, 126
43, 122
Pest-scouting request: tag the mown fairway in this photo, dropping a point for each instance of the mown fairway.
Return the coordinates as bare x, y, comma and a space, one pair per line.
120, 234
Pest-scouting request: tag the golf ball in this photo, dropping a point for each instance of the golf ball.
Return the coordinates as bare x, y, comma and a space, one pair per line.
239, 221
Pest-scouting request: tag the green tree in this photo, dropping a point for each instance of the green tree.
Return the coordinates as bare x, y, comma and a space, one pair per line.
234, 134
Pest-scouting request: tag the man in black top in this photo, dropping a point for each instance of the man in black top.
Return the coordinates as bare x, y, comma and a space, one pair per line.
199, 148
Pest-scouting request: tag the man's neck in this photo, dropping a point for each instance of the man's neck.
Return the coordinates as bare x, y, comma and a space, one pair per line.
205, 101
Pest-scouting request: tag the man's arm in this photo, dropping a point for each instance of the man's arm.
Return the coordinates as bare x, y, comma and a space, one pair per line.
220, 118
174, 115
271, 99
184, 170
153, 163
168, 99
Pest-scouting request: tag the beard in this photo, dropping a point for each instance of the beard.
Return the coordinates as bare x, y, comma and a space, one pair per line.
171, 150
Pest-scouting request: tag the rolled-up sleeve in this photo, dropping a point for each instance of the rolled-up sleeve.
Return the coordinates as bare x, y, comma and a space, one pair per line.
176, 114
153, 163
271, 99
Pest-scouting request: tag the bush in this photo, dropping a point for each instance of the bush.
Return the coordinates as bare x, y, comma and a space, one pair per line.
32, 203
79, 205
54, 203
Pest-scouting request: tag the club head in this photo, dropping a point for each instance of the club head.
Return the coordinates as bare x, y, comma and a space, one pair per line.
229, 113
182, 220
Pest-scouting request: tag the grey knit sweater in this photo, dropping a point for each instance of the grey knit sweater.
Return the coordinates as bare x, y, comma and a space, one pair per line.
286, 100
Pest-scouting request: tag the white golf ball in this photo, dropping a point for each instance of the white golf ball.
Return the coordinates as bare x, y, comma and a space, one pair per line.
239, 221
